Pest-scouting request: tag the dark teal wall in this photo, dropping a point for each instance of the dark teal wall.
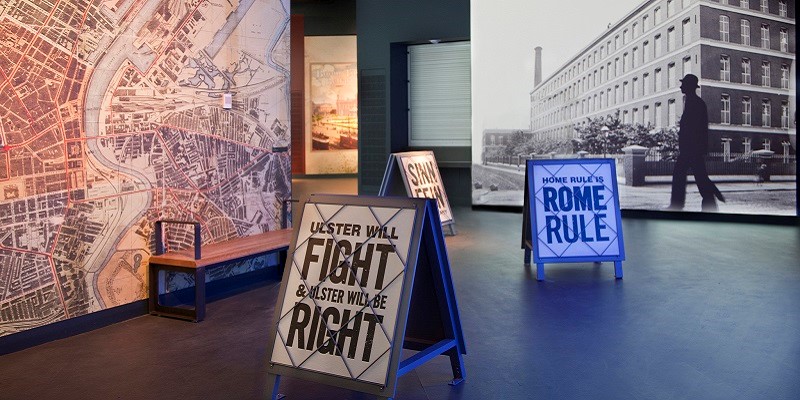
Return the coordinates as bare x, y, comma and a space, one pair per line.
384, 28
327, 17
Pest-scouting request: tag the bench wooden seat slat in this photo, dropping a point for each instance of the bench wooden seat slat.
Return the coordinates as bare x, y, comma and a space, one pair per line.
228, 250
211, 254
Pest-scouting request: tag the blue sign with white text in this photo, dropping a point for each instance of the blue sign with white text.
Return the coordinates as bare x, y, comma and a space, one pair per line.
574, 211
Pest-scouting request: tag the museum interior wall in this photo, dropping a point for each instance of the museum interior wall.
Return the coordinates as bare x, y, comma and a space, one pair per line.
324, 87
385, 28
330, 117
326, 17
112, 118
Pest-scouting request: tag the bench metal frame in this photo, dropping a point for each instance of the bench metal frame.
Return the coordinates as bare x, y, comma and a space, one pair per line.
198, 312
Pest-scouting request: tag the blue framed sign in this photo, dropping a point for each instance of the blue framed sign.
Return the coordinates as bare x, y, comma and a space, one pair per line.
420, 174
366, 277
571, 213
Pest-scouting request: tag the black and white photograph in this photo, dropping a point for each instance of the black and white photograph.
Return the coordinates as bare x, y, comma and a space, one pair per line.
694, 100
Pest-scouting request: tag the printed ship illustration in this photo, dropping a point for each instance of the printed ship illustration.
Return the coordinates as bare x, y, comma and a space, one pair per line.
348, 140
320, 141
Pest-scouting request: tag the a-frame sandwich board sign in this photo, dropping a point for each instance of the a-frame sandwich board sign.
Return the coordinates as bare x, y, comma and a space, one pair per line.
416, 174
365, 278
571, 213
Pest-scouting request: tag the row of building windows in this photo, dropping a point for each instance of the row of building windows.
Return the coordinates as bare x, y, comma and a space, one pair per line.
644, 54
744, 24
747, 112
636, 56
649, 83
766, 71
620, 66
763, 6
637, 29
747, 147
654, 116
653, 81
604, 100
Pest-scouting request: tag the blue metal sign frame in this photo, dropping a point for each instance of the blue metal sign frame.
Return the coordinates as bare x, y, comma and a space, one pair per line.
396, 183
427, 321
565, 197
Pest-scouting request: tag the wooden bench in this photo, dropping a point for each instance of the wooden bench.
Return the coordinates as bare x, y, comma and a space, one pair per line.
196, 261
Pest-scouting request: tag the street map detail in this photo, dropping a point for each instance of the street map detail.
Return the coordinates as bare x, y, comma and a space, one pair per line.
111, 117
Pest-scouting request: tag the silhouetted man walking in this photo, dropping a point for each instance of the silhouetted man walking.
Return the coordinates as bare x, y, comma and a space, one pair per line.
692, 148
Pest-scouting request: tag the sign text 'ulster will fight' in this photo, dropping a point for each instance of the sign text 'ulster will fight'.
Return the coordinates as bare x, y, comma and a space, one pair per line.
345, 284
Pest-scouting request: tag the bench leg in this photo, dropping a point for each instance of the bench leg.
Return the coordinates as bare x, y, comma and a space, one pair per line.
153, 289
200, 294
196, 314
282, 255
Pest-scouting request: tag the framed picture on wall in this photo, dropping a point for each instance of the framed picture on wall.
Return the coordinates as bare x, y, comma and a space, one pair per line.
331, 107
334, 106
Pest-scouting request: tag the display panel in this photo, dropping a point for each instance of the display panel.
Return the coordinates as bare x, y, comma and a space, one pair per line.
574, 211
331, 135
367, 277
588, 79
344, 285
423, 180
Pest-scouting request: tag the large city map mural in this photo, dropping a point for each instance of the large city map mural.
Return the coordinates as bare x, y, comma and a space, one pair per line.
111, 117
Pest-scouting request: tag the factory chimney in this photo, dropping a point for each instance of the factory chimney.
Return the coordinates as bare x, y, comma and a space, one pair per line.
537, 68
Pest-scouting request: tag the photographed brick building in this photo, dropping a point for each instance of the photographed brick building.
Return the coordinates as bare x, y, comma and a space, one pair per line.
742, 51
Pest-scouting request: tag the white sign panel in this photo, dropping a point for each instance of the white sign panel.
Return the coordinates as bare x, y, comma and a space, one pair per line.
343, 293
575, 210
422, 180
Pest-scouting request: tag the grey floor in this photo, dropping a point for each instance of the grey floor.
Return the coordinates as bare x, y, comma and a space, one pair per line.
705, 311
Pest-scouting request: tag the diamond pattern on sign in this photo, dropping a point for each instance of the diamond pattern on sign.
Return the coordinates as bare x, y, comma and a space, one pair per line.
577, 247
329, 213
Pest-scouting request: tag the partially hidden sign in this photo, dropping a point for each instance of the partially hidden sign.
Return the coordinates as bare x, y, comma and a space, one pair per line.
420, 176
571, 213
345, 308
